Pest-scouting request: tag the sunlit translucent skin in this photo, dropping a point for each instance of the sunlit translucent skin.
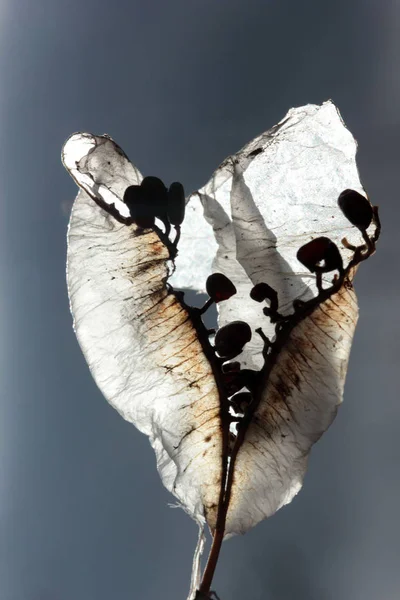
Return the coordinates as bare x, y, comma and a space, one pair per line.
139, 343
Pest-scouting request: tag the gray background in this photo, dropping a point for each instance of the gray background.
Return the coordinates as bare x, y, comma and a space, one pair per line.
180, 85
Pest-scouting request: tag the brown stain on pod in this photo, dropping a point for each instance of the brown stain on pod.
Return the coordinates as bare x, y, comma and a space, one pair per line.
141, 327
298, 401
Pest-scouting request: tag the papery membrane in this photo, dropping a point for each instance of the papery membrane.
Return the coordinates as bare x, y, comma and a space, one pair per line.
138, 340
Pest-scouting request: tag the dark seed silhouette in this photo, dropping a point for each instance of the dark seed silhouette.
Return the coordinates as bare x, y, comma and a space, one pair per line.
241, 401
356, 208
318, 251
141, 212
155, 187
232, 382
176, 203
230, 339
231, 367
155, 197
263, 291
133, 196
144, 222
235, 381
219, 287
248, 377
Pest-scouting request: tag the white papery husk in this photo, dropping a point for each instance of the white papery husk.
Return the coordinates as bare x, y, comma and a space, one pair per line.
139, 342
261, 205
279, 192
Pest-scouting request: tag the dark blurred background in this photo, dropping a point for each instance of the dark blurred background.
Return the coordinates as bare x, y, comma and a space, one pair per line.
180, 85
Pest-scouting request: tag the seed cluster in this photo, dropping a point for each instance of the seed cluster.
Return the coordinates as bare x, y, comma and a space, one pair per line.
152, 200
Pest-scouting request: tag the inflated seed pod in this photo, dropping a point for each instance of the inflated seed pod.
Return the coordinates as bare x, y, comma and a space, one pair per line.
155, 196
318, 251
140, 211
230, 339
219, 287
356, 208
176, 203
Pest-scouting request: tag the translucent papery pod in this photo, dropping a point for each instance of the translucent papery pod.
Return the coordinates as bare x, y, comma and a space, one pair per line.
283, 225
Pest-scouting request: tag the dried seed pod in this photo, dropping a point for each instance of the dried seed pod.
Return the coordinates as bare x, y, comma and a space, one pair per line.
176, 203
219, 287
320, 255
263, 291
230, 339
356, 208
140, 211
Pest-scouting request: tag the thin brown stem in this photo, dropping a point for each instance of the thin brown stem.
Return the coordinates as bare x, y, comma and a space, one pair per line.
222, 507
212, 560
